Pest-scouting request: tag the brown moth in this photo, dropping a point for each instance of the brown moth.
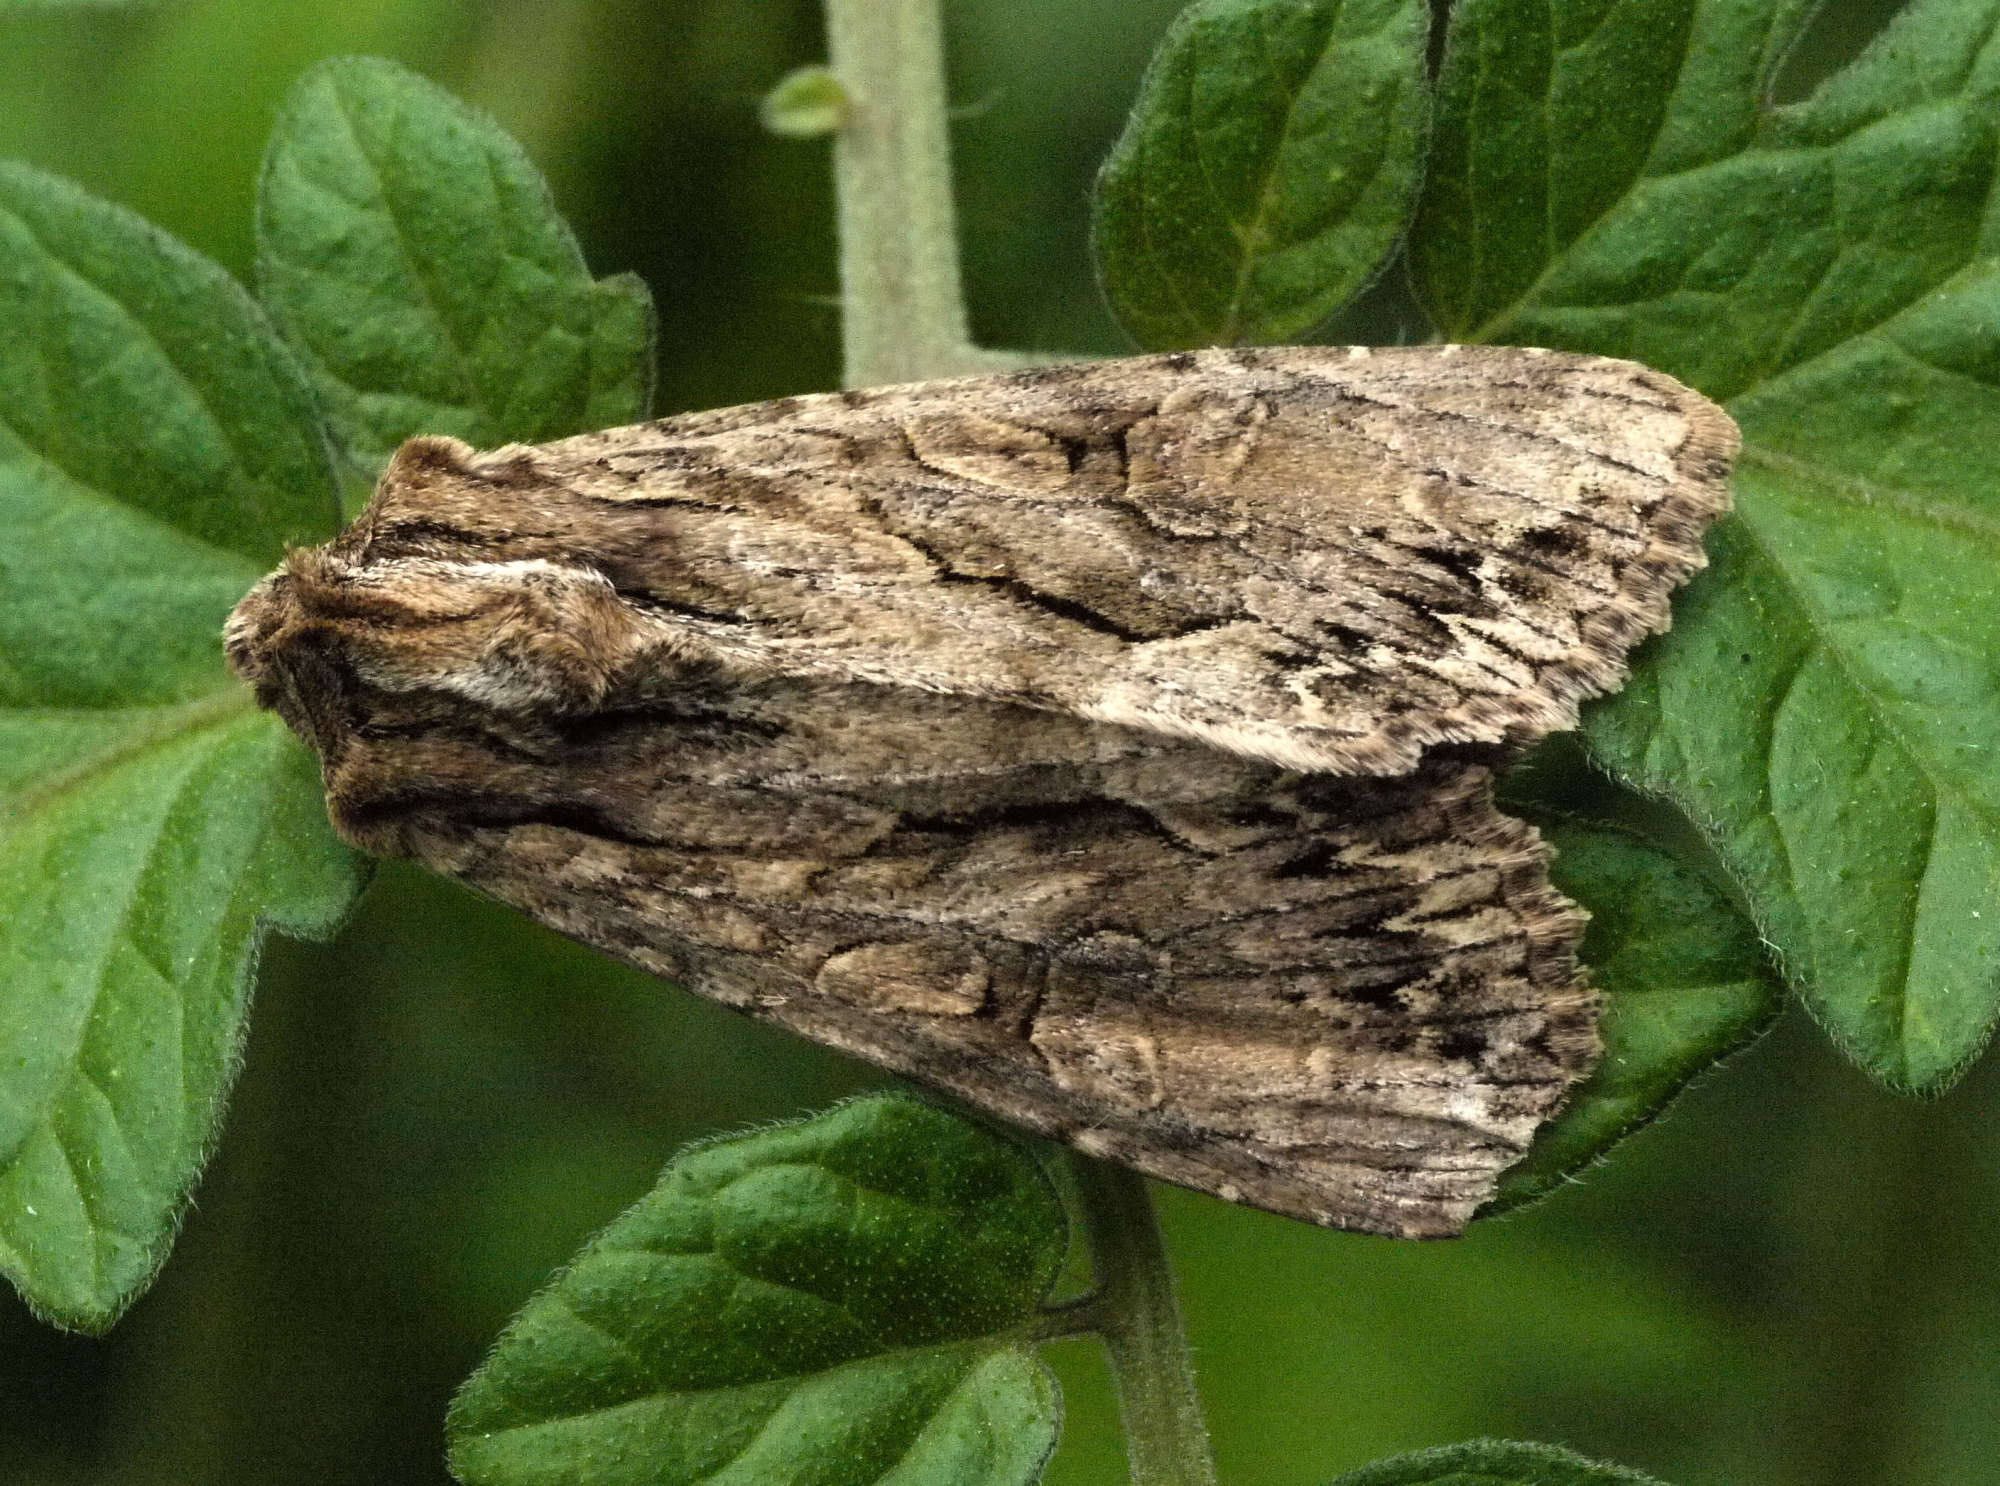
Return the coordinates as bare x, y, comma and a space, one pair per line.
1108, 745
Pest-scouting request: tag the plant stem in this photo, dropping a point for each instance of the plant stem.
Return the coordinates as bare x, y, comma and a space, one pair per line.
903, 311
1166, 1442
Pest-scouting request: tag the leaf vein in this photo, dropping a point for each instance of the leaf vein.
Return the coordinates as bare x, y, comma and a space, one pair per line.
413, 262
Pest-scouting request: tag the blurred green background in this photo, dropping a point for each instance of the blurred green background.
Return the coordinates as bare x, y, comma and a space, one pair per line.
1790, 1280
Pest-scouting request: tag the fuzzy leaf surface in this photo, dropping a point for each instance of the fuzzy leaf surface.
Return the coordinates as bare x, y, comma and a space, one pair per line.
1825, 705
838, 1302
410, 251
1493, 1463
1267, 170
158, 450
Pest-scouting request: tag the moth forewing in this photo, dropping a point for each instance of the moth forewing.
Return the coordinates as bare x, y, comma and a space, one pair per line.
1108, 745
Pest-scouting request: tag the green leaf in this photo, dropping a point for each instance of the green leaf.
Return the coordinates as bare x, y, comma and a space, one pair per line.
1825, 705
1493, 1463
837, 1302
1267, 170
1550, 117
1684, 976
158, 449
136, 369
410, 251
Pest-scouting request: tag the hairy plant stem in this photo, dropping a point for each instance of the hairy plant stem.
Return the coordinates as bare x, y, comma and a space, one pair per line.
902, 306
1166, 1443
903, 319
903, 312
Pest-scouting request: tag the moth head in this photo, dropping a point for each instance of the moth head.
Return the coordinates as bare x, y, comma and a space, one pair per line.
293, 638
412, 631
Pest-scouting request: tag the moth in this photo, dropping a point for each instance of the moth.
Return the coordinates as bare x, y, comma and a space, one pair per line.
1110, 746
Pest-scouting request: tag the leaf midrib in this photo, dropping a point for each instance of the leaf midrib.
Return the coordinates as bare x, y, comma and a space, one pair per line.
217, 425
458, 353
1252, 235
1844, 488
211, 710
